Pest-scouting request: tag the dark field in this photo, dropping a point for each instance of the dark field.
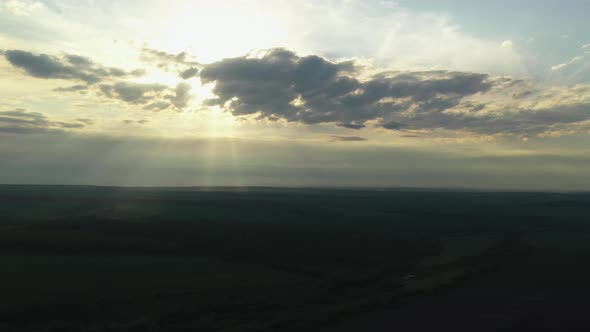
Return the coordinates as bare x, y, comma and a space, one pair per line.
259, 259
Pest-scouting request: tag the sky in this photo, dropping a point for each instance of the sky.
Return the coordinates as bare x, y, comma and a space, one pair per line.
334, 93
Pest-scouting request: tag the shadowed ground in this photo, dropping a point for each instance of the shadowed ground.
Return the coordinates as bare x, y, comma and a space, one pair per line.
263, 259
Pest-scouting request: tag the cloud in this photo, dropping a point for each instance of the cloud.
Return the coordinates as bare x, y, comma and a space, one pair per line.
396, 37
133, 93
22, 8
188, 73
164, 59
131, 122
279, 84
351, 126
507, 44
182, 95
180, 63
575, 70
392, 125
107, 82
86, 121
21, 121
68, 67
311, 89
538, 116
151, 96
574, 60
73, 88
348, 138
157, 106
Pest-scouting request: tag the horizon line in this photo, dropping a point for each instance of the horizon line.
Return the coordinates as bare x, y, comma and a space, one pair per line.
337, 188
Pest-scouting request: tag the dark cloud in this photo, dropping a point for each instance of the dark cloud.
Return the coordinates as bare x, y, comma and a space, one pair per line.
130, 122
517, 121
69, 125
539, 120
152, 96
73, 88
20, 121
188, 73
182, 95
313, 90
68, 67
78, 68
86, 121
157, 106
522, 94
133, 93
351, 126
392, 125
348, 138
171, 62
281, 85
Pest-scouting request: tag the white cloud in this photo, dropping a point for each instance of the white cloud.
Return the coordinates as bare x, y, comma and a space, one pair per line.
574, 60
395, 37
384, 32
559, 66
507, 44
21, 7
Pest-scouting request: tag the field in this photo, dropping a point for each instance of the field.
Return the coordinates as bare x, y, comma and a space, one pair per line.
269, 259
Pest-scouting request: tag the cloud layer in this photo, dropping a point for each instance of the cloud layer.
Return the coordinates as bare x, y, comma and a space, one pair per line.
278, 84
106, 82
69, 67
20, 121
311, 89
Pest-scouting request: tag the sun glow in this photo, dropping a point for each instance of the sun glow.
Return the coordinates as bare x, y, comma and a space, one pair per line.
160, 77
195, 26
